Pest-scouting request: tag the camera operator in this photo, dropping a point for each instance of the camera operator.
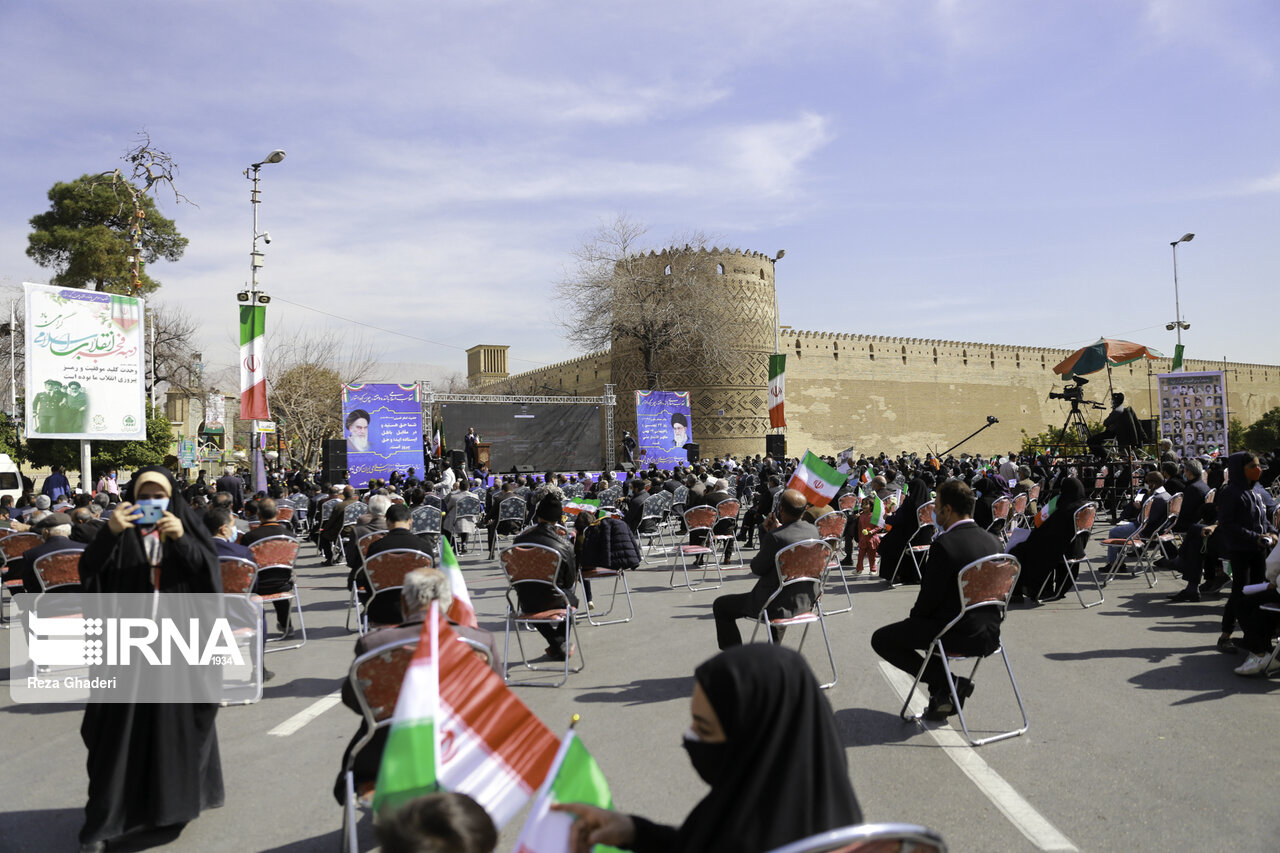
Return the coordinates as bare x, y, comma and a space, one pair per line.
1122, 425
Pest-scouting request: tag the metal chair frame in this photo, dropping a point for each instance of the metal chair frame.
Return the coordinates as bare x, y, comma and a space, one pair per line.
924, 517
727, 510
698, 518
832, 532
543, 575
58, 569
804, 562
1137, 546
384, 579
265, 553
13, 545
986, 582
869, 837
1084, 518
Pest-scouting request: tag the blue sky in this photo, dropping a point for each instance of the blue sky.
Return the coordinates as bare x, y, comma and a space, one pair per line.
1007, 172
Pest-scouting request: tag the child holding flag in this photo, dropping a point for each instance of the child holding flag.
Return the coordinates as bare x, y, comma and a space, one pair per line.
870, 526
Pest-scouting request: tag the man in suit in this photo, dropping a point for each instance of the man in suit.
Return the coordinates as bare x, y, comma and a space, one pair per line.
784, 526
549, 512
633, 511
421, 587
85, 525
938, 602
222, 527
372, 522
234, 486
55, 529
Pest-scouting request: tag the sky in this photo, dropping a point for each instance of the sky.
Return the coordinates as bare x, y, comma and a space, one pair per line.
1002, 171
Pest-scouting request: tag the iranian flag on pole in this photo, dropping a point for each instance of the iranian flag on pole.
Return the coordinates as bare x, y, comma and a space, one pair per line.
461, 610
777, 390
574, 778
253, 371
573, 506
877, 511
458, 727
816, 480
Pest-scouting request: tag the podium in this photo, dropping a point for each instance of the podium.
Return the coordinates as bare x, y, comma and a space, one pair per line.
482, 454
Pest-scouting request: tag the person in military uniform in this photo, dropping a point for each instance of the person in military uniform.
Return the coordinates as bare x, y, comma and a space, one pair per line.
48, 407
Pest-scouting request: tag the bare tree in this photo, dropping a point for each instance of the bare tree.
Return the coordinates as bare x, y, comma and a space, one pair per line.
174, 348
658, 307
304, 387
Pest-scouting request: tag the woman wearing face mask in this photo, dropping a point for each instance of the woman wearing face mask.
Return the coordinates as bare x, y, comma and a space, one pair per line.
1245, 533
763, 737
150, 764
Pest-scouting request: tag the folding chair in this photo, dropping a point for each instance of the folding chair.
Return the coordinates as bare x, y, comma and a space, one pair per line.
536, 566
511, 515
725, 530
849, 504
1000, 518
1018, 513
1134, 545
918, 545
988, 582
375, 677
470, 508
1166, 533
12, 547
831, 528
698, 519
425, 519
870, 838
353, 602
384, 575
679, 502
653, 524
1084, 518
238, 577
58, 570
276, 556
600, 573
798, 564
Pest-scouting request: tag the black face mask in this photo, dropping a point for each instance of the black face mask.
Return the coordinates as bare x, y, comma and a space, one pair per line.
708, 759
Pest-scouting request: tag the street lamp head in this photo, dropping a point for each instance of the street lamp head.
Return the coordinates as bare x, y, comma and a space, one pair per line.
1169, 327
274, 157
1185, 238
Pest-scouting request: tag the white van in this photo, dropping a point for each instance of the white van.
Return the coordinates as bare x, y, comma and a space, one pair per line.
10, 481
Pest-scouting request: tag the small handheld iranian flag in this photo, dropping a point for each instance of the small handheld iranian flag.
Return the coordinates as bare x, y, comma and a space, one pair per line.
867, 475
573, 506
253, 371
574, 778
816, 480
877, 511
461, 610
1047, 510
777, 390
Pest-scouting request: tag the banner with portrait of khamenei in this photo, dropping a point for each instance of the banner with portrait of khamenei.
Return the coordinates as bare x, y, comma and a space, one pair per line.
85, 364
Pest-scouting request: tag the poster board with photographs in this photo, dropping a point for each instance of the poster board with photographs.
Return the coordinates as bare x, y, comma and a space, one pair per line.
1193, 412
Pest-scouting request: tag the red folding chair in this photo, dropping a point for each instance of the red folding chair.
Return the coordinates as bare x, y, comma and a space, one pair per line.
800, 564
698, 519
870, 838
831, 528
918, 545
384, 575
12, 546
276, 556
988, 582
536, 566
58, 570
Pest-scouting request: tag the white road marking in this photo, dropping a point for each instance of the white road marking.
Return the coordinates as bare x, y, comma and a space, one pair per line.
306, 715
1020, 813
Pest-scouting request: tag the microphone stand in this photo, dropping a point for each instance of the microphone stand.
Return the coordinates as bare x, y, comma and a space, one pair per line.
990, 423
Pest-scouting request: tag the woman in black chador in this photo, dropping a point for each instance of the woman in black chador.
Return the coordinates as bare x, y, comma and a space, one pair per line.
150, 764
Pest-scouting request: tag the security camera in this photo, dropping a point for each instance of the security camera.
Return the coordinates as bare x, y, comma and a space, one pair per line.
266, 237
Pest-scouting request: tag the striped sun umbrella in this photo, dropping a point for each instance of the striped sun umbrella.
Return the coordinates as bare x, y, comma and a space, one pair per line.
1107, 352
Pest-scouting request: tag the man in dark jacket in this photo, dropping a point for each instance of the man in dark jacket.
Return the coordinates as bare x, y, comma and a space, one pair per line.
55, 529
785, 526
938, 602
1190, 557
234, 486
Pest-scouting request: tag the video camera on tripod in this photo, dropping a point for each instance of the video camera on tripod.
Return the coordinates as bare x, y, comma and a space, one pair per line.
1074, 394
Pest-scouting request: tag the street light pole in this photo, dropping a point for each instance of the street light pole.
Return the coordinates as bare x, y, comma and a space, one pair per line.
1178, 322
255, 298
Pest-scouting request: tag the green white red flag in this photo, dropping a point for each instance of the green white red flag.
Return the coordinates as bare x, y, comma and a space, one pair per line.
461, 611
1047, 510
253, 370
574, 778
777, 390
458, 727
877, 511
573, 506
816, 480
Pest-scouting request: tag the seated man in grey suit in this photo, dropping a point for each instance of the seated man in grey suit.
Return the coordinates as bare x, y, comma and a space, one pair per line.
785, 526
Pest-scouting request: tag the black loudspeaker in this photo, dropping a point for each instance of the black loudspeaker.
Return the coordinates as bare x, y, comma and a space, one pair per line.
1147, 428
693, 452
628, 467
457, 458
524, 469
775, 445
334, 460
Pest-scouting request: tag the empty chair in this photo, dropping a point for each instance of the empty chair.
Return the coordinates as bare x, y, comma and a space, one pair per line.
702, 520
831, 528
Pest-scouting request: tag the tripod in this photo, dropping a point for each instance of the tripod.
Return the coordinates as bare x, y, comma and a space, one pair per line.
1074, 425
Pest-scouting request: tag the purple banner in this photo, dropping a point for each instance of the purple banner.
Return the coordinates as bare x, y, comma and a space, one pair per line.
383, 428
664, 426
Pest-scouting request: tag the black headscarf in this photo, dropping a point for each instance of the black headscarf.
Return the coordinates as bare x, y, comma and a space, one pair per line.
786, 775
114, 563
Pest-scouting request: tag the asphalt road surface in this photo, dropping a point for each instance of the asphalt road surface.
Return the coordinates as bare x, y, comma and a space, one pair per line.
1141, 737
